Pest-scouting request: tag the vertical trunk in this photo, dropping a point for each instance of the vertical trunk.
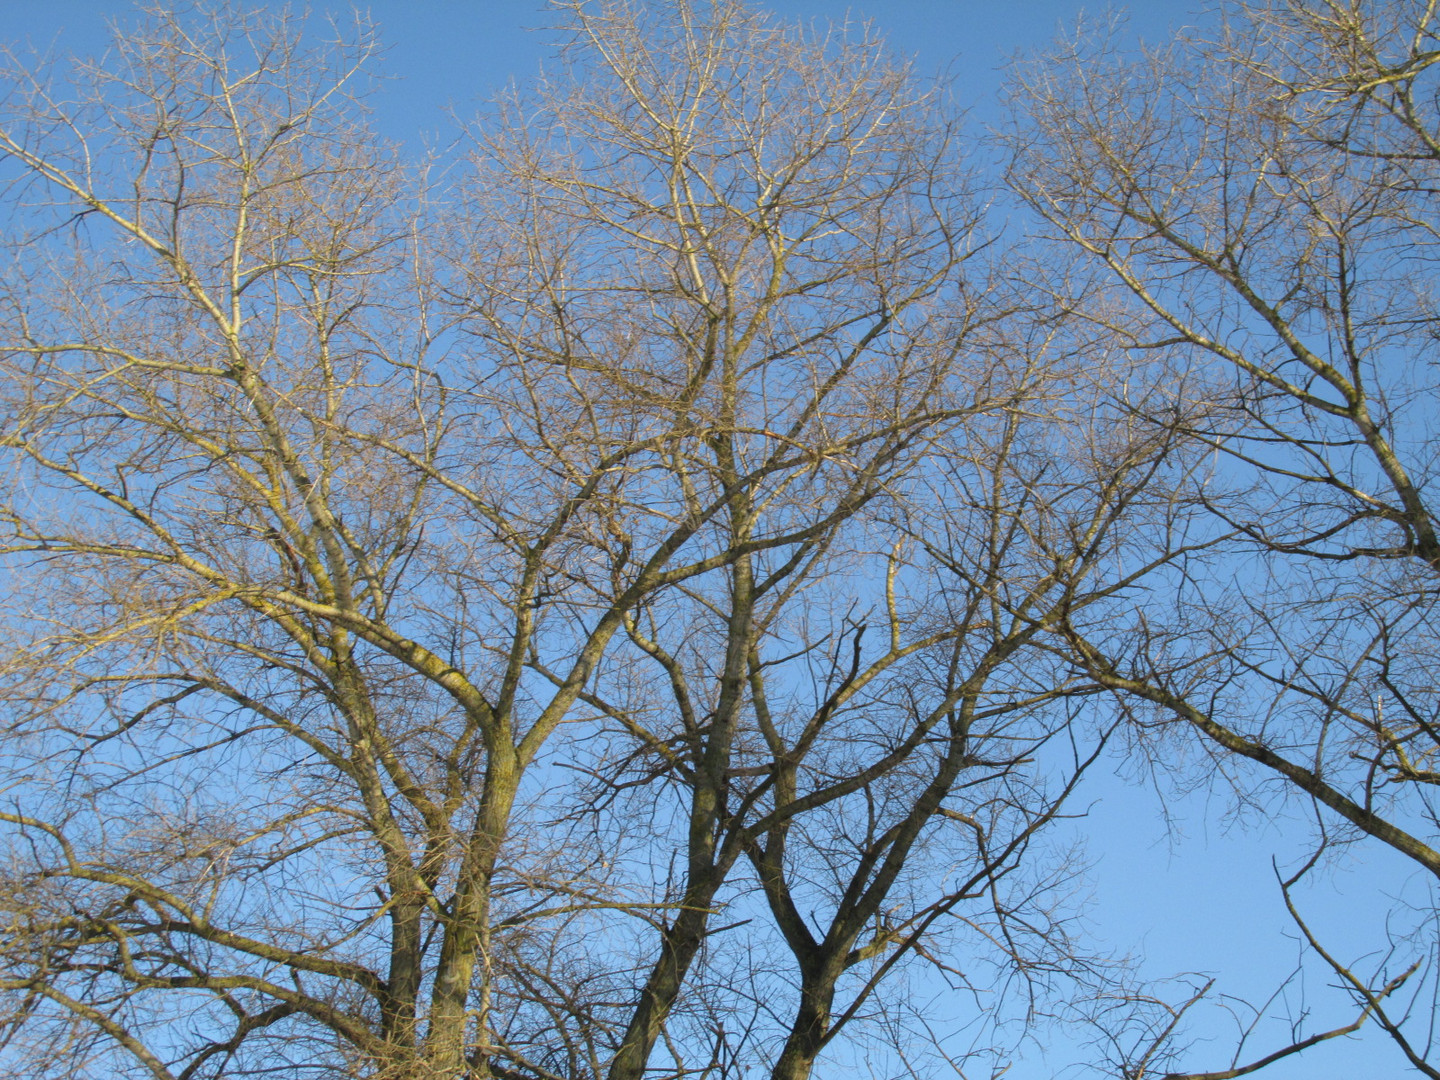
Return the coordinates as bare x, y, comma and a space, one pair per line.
466, 933
812, 1019
399, 1000
681, 941
402, 988
704, 872
822, 965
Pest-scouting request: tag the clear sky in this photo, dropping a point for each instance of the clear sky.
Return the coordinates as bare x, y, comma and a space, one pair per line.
1200, 897
454, 53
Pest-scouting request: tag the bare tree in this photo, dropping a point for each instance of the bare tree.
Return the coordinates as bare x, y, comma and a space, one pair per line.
449, 612
1257, 212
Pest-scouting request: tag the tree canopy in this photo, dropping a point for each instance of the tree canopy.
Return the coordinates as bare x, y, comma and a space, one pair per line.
640, 595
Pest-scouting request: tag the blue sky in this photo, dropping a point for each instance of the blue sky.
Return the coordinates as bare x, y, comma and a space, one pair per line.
457, 53
1198, 896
